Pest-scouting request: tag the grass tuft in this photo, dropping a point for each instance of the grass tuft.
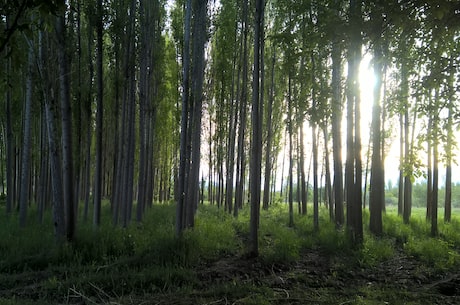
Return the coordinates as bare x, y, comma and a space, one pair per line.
433, 251
375, 250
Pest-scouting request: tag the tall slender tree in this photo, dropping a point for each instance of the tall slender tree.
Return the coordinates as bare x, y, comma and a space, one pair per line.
66, 123
376, 199
353, 170
26, 143
256, 139
99, 117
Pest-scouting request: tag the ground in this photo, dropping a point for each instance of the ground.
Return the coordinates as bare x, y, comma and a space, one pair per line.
315, 278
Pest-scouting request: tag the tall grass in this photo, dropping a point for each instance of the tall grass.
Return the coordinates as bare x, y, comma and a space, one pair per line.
215, 235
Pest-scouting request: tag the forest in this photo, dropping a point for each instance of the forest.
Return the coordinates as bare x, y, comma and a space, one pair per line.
229, 152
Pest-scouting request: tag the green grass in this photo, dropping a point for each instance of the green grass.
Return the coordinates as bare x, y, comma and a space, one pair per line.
147, 258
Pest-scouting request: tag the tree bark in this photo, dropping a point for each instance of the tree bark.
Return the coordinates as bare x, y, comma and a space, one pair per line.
9, 134
66, 127
407, 195
434, 134
99, 119
401, 166
449, 146
241, 159
257, 116
26, 142
337, 132
377, 181
353, 171
328, 186
268, 151
291, 158
199, 40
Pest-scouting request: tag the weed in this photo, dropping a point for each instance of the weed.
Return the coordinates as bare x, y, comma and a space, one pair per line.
279, 244
394, 227
375, 250
433, 251
331, 240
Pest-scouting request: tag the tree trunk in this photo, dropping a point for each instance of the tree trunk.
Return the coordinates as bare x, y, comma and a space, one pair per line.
407, 202
210, 166
328, 185
449, 146
434, 134
66, 126
89, 129
291, 158
26, 144
401, 166
99, 119
180, 208
315, 149
303, 186
337, 132
146, 68
199, 40
9, 135
268, 150
241, 159
257, 116
353, 170
429, 174
377, 181
232, 138
315, 175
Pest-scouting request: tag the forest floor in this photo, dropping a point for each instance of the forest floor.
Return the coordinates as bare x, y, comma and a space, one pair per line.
315, 278
146, 265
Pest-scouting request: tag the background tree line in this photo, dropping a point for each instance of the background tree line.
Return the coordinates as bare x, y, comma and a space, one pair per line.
127, 100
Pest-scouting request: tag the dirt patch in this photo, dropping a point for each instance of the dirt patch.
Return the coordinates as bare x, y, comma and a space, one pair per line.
317, 277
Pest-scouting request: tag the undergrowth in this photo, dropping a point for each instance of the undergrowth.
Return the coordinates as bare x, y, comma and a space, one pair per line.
147, 257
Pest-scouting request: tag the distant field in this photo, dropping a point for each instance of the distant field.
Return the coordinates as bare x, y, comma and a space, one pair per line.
418, 212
